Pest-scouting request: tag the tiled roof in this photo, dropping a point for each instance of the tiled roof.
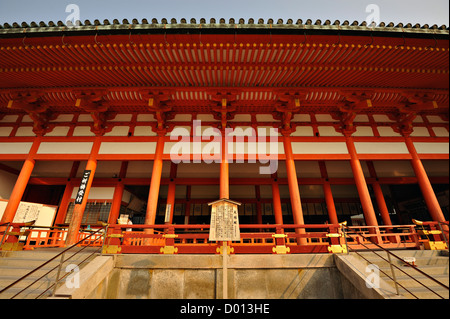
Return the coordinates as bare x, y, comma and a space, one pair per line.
221, 23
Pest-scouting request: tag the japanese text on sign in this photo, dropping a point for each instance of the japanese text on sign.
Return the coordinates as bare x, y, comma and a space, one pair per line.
82, 188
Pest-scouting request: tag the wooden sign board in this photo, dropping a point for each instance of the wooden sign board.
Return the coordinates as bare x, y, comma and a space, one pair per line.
82, 188
224, 221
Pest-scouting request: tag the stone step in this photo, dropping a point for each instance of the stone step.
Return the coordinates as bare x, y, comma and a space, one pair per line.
424, 293
28, 294
45, 281
433, 263
429, 270
418, 281
421, 259
14, 265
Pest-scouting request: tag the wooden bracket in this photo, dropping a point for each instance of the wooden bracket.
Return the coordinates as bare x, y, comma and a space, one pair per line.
288, 104
407, 111
225, 108
354, 101
92, 101
158, 102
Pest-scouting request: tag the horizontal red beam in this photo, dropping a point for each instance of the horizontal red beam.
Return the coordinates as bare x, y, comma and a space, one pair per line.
98, 182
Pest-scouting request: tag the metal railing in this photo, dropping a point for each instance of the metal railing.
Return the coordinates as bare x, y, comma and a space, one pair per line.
59, 266
392, 266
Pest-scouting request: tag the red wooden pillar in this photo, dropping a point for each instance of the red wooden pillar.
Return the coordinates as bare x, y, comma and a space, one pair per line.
381, 204
331, 208
118, 195
293, 188
379, 196
187, 205
78, 210
171, 193
360, 181
277, 211
332, 215
424, 183
116, 203
65, 201
258, 205
152, 203
21, 184
224, 174
171, 202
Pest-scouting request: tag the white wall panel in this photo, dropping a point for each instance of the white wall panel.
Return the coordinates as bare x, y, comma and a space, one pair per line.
381, 148
65, 148
431, 148
319, 148
15, 148
127, 148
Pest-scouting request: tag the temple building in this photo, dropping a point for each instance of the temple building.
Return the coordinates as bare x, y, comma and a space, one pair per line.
309, 124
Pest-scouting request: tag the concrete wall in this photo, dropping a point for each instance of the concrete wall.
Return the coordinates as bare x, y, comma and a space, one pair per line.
249, 276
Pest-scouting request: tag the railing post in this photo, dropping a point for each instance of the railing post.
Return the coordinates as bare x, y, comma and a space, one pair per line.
12, 237
435, 242
55, 285
415, 235
104, 239
4, 233
335, 240
169, 242
345, 238
114, 242
393, 273
280, 241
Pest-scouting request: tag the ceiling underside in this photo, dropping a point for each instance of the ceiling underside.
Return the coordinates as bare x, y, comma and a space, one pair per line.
257, 69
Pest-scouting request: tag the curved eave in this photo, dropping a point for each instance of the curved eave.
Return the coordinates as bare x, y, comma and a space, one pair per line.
224, 28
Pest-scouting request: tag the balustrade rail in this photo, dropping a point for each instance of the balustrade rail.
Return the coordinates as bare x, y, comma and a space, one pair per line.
255, 238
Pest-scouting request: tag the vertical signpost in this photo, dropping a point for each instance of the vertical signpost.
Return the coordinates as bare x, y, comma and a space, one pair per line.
224, 227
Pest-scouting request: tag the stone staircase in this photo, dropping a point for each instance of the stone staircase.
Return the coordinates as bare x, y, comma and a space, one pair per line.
432, 262
14, 265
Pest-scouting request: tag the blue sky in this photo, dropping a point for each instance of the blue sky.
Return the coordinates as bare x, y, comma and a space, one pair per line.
414, 11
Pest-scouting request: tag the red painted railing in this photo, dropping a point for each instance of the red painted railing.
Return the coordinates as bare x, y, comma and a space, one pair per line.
193, 239
255, 238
